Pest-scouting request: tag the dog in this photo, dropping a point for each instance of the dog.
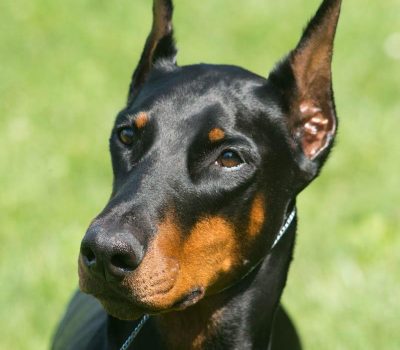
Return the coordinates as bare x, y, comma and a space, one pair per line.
192, 250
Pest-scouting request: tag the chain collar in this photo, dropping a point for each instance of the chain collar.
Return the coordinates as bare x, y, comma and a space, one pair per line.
284, 228
134, 333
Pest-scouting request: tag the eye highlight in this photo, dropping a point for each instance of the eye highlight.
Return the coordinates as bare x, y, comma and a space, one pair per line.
126, 136
229, 159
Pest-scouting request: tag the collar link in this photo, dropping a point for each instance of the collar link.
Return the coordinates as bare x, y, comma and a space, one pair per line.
284, 228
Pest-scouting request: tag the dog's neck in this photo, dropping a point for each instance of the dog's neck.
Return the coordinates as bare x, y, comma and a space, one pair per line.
241, 317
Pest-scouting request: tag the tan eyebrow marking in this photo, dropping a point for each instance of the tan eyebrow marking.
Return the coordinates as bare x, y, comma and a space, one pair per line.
141, 120
216, 134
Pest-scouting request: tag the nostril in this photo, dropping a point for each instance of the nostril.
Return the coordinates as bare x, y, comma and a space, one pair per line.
88, 256
124, 261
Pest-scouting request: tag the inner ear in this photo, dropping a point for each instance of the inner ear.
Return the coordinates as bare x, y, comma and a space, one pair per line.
315, 129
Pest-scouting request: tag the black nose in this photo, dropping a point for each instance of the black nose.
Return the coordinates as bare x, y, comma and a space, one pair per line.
112, 255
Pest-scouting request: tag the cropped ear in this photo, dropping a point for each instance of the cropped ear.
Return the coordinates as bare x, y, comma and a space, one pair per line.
305, 80
160, 45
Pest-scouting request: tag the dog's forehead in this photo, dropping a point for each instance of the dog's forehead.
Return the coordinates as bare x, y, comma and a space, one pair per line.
192, 93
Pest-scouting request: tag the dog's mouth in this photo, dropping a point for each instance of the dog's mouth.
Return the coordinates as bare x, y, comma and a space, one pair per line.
131, 308
135, 296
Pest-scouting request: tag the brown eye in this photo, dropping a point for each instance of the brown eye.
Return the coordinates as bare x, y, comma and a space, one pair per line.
126, 136
229, 159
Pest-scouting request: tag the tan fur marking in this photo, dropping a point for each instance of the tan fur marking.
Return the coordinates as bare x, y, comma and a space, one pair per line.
177, 263
216, 134
212, 241
141, 120
257, 215
227, 265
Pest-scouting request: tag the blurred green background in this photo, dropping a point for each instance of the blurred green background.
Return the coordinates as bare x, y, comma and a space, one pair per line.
64, 72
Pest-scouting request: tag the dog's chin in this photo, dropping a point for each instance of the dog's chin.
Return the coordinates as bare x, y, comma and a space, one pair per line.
122, 310
129, 311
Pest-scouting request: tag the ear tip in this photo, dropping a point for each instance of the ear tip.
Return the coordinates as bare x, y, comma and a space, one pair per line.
162, 16
166, 4
323, 23
331, 4
331, 9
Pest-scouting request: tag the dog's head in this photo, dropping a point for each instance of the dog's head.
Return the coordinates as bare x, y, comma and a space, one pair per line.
207, 159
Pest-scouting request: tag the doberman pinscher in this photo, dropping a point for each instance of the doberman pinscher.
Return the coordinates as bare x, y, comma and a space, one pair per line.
200, 227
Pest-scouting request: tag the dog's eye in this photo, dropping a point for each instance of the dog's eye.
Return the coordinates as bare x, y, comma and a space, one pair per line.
126, 136
229, 159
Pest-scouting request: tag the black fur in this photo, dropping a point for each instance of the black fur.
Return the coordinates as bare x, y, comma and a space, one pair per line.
171, 163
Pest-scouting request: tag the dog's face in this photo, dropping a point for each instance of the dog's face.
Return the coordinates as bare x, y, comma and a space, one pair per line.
206, 160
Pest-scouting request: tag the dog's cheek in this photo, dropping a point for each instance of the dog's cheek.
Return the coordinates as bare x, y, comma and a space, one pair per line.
214, 253
208, 257
203, 258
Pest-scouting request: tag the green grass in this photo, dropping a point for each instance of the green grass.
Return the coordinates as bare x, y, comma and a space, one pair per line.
64, 72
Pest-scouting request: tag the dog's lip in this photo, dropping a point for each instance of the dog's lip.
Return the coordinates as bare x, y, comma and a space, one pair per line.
114, 297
